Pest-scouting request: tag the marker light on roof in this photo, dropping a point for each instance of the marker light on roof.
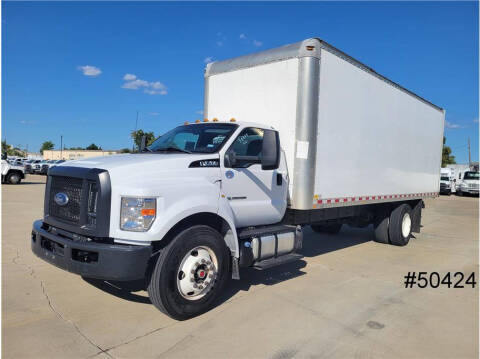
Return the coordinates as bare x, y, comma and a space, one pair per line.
185, 123
205, 120
232, 120
197, 121
215, 119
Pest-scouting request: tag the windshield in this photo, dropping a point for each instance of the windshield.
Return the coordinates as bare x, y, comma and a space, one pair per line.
204, 138
444, 179
471, 176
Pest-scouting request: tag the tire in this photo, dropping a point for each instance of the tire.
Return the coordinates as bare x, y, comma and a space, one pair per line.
400, 227
329, 229
172, 290
459, 193
381, 229
14, 178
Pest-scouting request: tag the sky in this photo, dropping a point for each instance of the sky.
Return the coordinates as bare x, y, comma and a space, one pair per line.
84, 69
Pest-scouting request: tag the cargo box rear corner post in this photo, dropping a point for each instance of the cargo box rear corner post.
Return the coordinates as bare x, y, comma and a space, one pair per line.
302, 135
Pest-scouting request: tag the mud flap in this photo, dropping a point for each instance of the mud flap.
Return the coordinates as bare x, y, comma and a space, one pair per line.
417, 216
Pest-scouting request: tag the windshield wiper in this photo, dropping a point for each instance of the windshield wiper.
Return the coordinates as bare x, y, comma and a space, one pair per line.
171, 148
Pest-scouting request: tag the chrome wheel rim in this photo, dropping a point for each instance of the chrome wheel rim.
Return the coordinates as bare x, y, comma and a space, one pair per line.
406, 225
197, 273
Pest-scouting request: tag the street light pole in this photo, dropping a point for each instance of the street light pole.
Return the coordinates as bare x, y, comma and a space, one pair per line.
61, 147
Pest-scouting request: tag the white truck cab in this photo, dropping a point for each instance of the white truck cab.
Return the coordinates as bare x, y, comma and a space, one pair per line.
273, 155
468, 183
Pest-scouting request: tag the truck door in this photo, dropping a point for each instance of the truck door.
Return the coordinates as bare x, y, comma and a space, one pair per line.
256, 196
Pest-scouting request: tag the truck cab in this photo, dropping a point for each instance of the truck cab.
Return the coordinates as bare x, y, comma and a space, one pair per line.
469, 183
107, 217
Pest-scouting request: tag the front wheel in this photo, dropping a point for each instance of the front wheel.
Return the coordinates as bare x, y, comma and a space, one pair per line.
190, 273
14, 178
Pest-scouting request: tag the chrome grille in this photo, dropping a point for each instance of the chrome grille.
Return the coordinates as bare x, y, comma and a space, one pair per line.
72, 187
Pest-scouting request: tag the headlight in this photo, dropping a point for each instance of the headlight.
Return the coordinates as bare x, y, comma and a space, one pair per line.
137, 214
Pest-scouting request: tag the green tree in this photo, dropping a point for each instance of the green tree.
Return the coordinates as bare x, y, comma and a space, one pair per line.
5, 147
9, 150
125, 150
447, 157
93, 147
137, 138
76, 148
47, 145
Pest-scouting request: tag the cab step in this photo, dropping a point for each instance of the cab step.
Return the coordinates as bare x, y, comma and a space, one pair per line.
276, 261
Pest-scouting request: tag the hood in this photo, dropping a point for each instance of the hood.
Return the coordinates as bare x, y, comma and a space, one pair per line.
134, 162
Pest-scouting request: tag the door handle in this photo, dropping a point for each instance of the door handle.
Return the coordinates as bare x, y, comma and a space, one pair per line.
279, 179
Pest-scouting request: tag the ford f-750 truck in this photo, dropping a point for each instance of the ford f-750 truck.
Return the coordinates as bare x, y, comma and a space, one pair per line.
301, 135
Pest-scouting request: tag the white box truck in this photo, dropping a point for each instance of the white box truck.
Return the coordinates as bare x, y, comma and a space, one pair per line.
302, 135
447, 181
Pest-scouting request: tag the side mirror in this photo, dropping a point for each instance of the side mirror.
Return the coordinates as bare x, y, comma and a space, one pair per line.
270, 150
230, 159
143, 143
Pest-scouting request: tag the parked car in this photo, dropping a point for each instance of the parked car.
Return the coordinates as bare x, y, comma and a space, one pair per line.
49, 164
30, 166
333, 143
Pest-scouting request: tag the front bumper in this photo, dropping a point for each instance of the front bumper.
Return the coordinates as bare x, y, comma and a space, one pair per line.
90, 259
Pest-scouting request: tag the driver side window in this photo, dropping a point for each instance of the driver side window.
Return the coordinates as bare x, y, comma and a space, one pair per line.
248, 143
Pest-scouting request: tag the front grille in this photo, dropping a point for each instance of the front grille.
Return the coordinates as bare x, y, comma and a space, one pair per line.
443, 186
473, 185
72, 187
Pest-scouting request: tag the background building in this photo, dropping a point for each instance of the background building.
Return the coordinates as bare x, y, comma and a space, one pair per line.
75, 154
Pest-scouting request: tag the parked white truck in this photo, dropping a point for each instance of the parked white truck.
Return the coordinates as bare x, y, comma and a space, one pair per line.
302, 135
12, 173
468, 183
447, 181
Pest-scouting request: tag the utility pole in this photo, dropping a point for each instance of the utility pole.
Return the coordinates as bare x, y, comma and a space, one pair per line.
469, 155
61, 147
136, 124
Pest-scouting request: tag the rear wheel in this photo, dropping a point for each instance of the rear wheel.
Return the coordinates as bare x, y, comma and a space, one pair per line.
14, 178
400, 227
190, 273
333, 228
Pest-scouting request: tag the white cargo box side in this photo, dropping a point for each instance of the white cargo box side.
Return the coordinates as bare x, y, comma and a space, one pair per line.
373, 139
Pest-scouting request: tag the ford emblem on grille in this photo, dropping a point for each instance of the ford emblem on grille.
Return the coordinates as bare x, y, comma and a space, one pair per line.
61, 199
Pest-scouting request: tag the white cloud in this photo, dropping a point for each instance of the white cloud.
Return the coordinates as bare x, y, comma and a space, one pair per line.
221, 39
208, 59
129, 77
27, 122
90, 70
242, 36
257, 43
452, 125
132, 82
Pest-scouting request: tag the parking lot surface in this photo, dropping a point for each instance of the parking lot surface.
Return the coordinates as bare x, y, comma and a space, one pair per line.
345, 299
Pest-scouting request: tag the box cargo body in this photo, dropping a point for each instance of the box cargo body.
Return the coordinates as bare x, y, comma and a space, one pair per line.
350, 135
